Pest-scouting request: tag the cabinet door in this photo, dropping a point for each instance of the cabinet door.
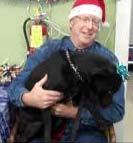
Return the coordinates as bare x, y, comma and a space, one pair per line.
130, 57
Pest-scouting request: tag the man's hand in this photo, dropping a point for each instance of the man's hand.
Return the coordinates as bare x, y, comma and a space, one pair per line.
64, 110
41, 98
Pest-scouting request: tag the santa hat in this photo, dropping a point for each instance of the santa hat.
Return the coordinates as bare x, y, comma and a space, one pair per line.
94, 7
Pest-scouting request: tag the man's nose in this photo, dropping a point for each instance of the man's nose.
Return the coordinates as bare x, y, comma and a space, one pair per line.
90, 23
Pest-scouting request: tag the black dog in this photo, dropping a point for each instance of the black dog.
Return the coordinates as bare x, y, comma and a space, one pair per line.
88, 80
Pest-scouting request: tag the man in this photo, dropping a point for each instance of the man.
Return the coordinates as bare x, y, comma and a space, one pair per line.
85, 20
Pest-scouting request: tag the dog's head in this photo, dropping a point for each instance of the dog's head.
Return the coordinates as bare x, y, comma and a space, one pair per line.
97, 74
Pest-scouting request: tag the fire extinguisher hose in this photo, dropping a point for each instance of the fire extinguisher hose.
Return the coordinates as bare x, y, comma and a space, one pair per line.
25, 33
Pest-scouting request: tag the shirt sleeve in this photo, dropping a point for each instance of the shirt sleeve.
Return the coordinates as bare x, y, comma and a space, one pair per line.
113, 113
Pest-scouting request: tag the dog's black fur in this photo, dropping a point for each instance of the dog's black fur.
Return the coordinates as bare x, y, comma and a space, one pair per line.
95, 87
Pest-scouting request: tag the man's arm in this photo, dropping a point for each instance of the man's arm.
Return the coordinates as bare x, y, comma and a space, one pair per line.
17, 87
113, 113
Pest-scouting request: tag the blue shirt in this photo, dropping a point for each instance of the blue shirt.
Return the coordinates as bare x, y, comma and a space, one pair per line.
112, 113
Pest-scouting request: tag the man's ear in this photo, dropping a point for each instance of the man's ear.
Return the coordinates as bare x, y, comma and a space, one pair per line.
71, 22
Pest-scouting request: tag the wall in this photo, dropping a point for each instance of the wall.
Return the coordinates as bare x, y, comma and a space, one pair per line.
131, 28
13, 14
121, 50
12, 44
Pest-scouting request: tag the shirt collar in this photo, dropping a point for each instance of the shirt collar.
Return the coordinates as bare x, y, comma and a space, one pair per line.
67, 44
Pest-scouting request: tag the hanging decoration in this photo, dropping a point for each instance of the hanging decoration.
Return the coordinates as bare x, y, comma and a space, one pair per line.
9, 72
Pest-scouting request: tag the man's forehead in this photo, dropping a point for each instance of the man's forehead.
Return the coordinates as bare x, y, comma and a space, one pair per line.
89, 16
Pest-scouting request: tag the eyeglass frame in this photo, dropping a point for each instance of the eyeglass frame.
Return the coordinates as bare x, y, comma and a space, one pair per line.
95, 23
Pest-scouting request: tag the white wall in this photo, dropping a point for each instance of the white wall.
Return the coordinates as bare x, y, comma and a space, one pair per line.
131, 28
123, 14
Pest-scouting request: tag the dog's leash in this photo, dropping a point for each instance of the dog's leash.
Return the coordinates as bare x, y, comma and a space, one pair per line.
77, 73
74, 68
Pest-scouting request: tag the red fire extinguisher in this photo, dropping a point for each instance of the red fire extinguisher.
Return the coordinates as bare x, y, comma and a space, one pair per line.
35, 33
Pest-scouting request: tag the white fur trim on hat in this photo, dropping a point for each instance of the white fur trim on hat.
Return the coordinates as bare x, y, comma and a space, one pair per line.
86, 9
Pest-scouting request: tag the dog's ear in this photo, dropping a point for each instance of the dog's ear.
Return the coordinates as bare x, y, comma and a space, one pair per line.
105, 80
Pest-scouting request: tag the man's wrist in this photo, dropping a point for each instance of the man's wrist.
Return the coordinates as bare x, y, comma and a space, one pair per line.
26, 99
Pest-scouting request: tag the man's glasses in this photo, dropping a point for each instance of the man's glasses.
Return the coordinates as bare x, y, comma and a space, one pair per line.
95, 22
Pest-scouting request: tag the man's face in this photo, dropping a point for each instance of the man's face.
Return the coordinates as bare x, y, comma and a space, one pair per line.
84, 29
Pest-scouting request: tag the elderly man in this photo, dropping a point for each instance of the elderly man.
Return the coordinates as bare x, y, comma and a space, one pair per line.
85, 20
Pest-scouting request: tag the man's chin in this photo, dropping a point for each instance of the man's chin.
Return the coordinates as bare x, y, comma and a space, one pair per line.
86, 41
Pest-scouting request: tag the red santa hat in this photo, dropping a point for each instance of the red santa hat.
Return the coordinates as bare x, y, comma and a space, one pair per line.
94, 7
